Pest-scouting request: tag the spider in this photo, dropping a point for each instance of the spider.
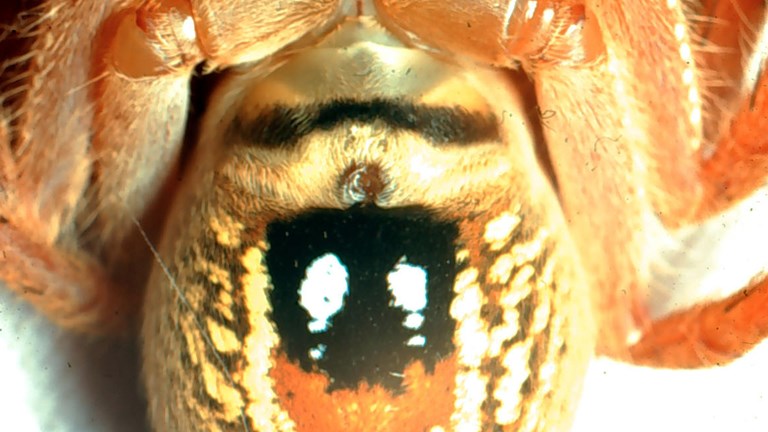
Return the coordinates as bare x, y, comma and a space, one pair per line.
377, 215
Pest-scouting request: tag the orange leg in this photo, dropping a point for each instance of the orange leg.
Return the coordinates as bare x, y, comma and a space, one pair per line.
708, 334
739, 164
76, 163
731, 34
732, 169
69, 288
718, 332
46, 166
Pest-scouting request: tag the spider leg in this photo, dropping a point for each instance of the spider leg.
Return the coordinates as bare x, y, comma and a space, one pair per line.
78, 163
728, 41
739, 164
708, 334
732, 167
68, 287
46, 166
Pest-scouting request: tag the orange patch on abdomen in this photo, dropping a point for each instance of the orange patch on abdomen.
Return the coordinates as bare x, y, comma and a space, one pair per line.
428, 400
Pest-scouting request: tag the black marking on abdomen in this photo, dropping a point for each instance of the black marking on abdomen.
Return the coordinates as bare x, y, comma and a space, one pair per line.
281, 126
365, 341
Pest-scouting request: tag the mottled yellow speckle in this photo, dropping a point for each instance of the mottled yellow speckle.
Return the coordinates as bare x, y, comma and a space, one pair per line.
223, 338
498, 231
227, 230
501, 269
262, 407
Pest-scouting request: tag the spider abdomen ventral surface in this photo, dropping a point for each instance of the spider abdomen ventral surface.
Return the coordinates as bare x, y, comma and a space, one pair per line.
361, 236
380, 215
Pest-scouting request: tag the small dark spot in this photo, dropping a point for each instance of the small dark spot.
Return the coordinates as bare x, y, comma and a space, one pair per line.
508, 343
493, 314
186, 360
526, 387
533, 360
495, 369
30, 290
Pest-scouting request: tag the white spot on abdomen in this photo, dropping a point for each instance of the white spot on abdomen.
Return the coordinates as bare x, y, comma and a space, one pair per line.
418, 340
408, 285
317, 352
323, 290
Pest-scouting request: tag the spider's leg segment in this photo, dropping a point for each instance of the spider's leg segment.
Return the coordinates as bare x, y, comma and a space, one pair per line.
47, 165
732, 168
739, 163
707, 334
67, 287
